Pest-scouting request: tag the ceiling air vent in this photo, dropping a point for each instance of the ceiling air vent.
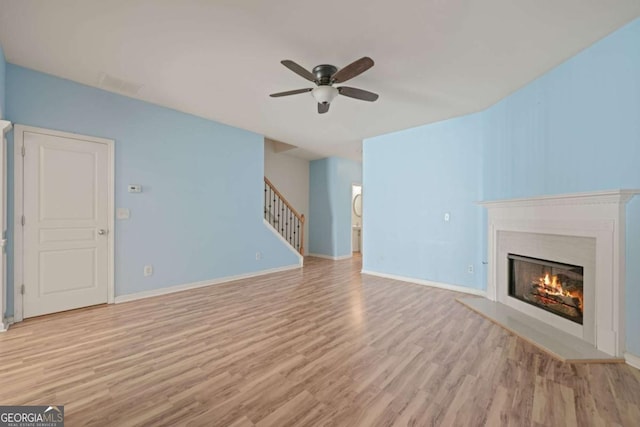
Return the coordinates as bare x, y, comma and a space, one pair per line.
115, 84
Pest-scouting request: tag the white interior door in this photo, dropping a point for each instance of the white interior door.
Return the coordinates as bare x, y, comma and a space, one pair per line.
66, 218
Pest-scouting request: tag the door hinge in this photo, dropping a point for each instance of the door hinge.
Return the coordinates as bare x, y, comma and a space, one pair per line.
24, 151
22, 289
22, 220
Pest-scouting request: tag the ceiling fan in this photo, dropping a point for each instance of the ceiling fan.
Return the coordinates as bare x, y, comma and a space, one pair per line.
325, 76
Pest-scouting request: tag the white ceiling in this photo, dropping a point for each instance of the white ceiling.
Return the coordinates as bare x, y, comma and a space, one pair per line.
220, 60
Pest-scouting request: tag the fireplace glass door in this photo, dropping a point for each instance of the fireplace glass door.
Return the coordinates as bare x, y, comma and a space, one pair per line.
551, 286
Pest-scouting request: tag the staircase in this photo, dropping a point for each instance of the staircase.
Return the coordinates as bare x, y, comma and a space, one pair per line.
283, 217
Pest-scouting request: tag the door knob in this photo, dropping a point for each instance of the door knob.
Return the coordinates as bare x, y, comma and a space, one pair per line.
102, 232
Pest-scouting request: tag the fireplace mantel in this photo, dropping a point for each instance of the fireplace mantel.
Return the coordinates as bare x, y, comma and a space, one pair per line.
596, 197
596, 215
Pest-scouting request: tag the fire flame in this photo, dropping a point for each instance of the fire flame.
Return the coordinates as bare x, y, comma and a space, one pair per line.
552, 286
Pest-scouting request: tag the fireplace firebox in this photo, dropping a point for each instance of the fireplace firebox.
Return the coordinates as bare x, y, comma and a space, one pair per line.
549, 285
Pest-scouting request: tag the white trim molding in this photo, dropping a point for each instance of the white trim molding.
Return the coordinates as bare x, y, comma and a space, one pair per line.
588, 198
587, 227
5, 127
632, 360
446, 286
7, 322
18, 202
333, 258
195, 285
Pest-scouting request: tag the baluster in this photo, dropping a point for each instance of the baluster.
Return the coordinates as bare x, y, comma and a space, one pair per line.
281, 215
270, 219
273, 212
285, 208
295, 244
289, 226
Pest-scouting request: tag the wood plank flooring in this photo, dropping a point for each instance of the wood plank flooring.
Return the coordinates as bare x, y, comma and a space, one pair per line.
318, 346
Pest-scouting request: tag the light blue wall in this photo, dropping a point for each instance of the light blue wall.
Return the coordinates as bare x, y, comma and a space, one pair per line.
411, 179
199, 216
3, 68
577, 128
330, 181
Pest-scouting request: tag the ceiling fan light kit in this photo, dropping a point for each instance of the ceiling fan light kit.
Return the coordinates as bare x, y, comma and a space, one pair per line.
324, 94
325, 76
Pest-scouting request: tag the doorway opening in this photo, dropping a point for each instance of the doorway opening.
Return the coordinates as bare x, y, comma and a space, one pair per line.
356, 218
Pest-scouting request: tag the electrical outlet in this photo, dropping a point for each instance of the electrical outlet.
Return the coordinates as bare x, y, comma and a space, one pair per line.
148, 270
447, 217
470, 269
258, 256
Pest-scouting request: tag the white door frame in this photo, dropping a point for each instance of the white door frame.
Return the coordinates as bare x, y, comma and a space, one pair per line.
5, 127
18, 203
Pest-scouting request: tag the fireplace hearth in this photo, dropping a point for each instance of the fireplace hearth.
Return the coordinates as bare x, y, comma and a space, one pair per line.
551, 286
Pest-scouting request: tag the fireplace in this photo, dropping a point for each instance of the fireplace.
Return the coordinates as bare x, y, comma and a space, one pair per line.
552, 286
580, 239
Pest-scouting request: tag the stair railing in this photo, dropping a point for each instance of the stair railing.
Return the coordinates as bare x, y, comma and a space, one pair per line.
283, 217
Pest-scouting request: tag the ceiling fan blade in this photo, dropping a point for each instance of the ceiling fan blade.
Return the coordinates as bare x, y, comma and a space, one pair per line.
323, 108
354, 69
356, 93
298, 69
290, 92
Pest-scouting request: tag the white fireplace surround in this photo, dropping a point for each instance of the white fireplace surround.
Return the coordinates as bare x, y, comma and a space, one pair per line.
586, 229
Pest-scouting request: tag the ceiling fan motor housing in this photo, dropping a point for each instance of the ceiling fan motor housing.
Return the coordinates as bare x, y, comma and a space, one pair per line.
323, 73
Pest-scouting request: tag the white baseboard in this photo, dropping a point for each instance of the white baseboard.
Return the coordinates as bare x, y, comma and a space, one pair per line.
334, 258
456, 288
187, 286
632, 360
8, 321
284, 241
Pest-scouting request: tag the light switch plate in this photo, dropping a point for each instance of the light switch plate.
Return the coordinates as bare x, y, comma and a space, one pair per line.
122, 213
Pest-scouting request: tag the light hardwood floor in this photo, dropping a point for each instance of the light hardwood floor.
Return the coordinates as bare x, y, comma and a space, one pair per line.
318, 346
